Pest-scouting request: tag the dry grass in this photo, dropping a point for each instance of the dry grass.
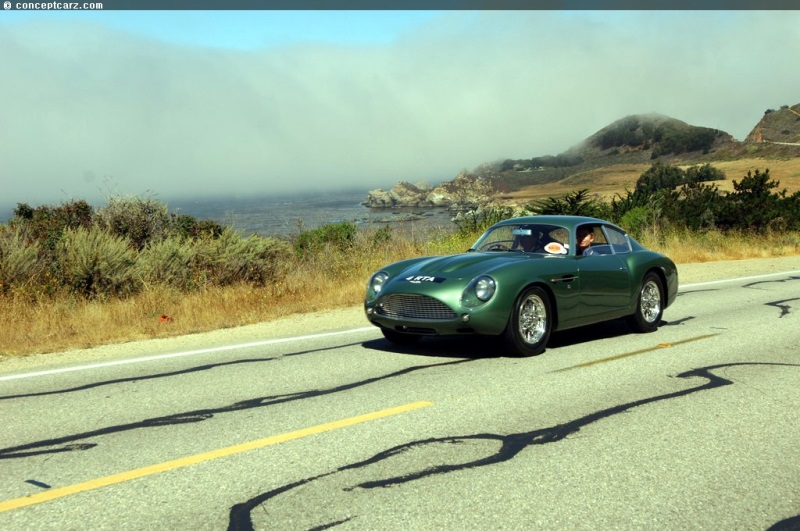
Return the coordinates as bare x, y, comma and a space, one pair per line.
685, 247
333, 279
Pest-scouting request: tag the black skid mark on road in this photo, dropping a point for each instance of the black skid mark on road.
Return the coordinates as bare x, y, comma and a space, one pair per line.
46, 446
677, 322
330, 525
776, 281
190, 370
240, 513
789, 524
692, 292
782, 306
39, 484
510, 445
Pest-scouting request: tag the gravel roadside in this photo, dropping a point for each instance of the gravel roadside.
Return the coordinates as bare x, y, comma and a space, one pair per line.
333, 321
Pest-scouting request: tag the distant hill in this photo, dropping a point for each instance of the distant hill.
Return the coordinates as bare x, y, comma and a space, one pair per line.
610, 160
645, 139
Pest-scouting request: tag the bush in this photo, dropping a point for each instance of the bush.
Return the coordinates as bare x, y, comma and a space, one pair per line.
382, 236
753, 205
94, 263
339, 235
577, 203
706, 172
190, 227
20, 262
478, 221
140, 220
636, 220
230, 258
46, 223
659, 177
170, 262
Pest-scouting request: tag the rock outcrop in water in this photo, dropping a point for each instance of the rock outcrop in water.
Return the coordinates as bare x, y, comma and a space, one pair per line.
465, 192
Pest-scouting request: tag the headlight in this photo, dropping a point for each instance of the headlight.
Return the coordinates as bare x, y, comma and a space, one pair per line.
478, 291
375, 284
485, 288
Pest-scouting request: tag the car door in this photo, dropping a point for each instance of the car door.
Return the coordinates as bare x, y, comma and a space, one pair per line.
604, 276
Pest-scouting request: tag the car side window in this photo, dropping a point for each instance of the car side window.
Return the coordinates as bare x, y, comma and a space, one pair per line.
618, 240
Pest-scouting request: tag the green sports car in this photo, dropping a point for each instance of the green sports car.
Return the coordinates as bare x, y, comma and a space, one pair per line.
524, 278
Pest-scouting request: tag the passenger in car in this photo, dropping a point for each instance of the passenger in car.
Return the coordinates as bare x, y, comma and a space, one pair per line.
585, 239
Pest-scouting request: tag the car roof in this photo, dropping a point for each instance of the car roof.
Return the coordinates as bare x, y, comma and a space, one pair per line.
568, 222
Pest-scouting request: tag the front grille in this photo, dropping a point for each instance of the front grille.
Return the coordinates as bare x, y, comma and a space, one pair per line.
414, 307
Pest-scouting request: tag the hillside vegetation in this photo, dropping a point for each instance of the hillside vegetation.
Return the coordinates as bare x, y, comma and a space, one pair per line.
611, 160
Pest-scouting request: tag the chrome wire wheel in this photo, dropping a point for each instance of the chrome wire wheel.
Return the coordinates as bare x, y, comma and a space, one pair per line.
529, 324
650, 302
532, 322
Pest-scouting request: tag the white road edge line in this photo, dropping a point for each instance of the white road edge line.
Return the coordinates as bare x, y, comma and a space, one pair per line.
186, 353
295, 338
711, 282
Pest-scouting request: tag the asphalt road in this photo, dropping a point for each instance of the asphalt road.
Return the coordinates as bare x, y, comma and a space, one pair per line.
695, 426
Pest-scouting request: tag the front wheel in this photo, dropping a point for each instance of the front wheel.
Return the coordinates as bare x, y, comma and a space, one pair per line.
530, 323
649, 305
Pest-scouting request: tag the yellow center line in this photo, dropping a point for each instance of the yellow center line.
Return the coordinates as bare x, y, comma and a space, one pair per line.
206, 456
635, 352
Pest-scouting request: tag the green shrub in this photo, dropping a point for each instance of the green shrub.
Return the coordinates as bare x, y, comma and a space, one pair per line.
94, 263
705, 172
140, 220
231, 258
382, 236
577, 203
753, 205
20, 262
660, 177
477, 221
339, 235
170, 262
636, 220
45, 223
190, 227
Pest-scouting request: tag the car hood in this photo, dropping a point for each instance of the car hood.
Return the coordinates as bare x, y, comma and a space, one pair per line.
464, 266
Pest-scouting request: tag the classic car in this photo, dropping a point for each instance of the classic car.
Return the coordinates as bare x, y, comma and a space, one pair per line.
524, 278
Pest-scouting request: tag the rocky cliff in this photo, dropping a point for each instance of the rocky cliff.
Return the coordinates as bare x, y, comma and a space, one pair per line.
465, 192
780, 126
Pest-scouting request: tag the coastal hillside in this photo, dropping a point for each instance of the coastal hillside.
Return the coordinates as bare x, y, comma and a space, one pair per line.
778, 126
612, 159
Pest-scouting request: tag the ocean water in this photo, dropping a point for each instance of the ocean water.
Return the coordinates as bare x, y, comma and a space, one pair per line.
288, 215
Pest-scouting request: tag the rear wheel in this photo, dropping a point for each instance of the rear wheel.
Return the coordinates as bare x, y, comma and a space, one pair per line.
530, 323
649, 306
399, 338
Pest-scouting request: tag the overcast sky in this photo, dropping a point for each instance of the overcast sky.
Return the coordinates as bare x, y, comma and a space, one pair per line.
180, 104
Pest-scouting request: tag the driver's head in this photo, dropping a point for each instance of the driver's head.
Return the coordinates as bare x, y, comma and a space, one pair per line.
528, 241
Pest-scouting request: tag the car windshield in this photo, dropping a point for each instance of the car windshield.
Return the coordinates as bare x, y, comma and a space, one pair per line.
525, 238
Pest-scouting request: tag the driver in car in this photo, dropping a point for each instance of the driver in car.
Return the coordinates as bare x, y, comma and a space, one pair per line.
529, 241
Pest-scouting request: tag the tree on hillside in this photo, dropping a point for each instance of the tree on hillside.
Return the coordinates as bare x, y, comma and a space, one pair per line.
659, 177
577, 203
754, 205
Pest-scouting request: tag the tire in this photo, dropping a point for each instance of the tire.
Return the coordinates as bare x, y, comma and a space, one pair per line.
530, 324
649, 305
399, 338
